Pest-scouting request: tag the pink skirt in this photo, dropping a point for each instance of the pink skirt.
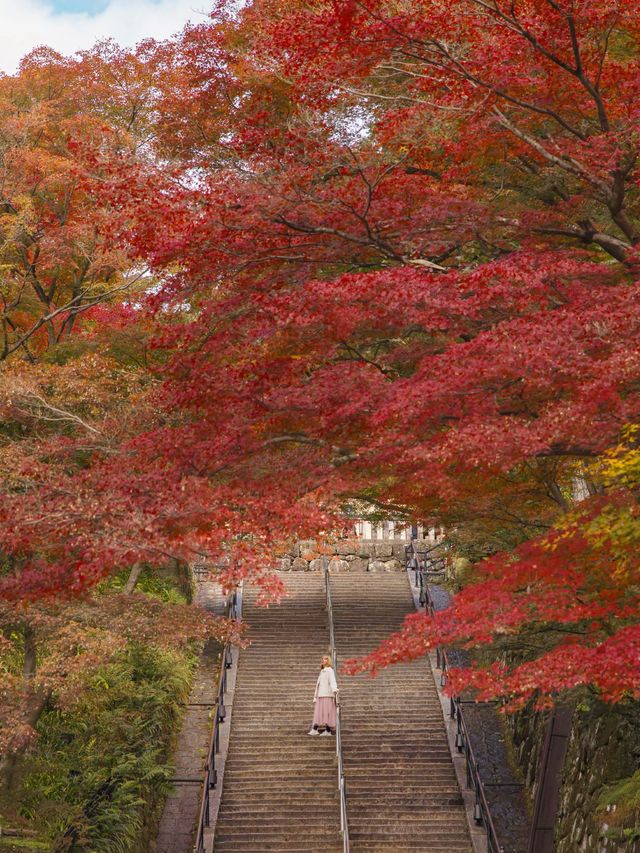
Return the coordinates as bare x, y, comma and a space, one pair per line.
324, 712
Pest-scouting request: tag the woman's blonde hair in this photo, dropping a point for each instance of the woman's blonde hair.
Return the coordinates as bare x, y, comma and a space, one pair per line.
328, 662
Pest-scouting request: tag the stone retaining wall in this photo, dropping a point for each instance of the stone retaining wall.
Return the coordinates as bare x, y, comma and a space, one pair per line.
604, 747
347, 556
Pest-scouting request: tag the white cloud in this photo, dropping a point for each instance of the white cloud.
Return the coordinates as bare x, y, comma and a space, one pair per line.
30, 23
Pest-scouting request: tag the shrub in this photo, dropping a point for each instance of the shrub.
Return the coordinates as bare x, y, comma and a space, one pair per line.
100, 769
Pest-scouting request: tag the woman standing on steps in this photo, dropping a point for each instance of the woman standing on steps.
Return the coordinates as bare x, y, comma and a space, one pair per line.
324, 701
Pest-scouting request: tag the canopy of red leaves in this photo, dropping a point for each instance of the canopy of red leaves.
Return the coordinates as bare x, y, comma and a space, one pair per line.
394, 250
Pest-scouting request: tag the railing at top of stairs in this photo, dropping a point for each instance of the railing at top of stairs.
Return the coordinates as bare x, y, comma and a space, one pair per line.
344, 822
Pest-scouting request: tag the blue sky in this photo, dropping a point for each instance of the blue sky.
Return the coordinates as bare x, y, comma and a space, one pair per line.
72, 25
90, 6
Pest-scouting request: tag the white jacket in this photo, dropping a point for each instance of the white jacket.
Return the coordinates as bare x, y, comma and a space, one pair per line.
326, 684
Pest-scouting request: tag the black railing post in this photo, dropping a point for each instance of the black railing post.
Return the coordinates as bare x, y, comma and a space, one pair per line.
459, 733
477, 808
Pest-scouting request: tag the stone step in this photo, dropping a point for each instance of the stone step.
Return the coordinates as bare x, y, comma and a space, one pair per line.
281, 711
426, 835
291, 798
361, 806
446, 821
323, 754
280, 825
368, 844
297, 735
316, 753
401, 846
282, 780
271, 758
287, 800
279, 836
280, 776
361, 766
302, 811
258, 845
405, 798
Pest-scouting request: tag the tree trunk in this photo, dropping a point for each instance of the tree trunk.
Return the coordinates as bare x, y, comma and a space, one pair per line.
29, 663
35, 701
132, 580
36, 704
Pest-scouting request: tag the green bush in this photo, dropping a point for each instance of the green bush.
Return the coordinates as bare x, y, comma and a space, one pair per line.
151, 582
99, 772
625, 797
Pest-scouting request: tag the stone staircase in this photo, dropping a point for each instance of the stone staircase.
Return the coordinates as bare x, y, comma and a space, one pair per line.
402, 792
280, 785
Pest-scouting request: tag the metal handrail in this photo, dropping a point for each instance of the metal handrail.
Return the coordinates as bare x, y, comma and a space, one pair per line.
481, 811
422, 559
211, 772
424, 567
342, 785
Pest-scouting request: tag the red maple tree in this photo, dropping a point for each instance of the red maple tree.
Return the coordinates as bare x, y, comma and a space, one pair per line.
397, 259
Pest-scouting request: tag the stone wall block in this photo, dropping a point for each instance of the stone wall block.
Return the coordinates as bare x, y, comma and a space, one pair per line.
338, 565
356, 555
383, 549
308, 549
